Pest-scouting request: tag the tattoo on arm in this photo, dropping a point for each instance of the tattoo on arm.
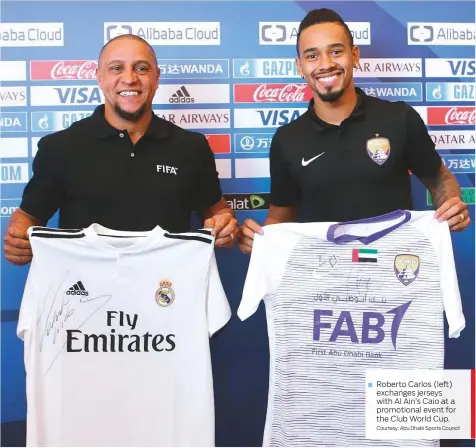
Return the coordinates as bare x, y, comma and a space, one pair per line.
442, 187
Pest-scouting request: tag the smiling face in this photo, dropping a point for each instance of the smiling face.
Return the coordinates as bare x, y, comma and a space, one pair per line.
128, 76
326, 60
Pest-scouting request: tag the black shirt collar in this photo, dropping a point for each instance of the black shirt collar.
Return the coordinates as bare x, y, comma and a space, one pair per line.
358, 111
103, 129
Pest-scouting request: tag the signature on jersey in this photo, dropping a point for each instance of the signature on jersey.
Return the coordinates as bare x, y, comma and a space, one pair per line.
64, 313
327, 260
357, 290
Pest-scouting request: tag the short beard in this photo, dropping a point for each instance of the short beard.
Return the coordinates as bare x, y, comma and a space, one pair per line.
330, 97
130, 116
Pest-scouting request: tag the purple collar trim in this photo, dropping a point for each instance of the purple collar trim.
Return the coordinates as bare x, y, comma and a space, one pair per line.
342, 239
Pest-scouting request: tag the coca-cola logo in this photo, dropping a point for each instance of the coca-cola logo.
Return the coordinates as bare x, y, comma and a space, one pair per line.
455, 116
289, 93
71, 70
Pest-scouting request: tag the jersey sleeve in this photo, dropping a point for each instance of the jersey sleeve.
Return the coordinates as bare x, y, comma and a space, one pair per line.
440, 236
217, 306
30, 298
266, 268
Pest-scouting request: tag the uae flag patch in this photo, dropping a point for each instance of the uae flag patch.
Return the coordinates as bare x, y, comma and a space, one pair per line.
364, 255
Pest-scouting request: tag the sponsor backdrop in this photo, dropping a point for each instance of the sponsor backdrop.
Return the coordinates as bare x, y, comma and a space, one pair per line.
228, 71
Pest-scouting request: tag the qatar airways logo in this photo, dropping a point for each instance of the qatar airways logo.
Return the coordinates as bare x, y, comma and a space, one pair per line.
272, 93
451, 116
84, 70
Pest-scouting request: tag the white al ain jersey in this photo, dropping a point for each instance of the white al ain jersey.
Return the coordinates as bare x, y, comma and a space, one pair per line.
116, 329
341, 298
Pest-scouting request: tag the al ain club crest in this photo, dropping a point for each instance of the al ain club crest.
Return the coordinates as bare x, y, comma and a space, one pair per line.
378, 149
406, 268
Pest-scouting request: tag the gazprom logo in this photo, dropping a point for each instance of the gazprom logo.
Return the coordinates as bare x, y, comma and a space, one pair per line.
450, 91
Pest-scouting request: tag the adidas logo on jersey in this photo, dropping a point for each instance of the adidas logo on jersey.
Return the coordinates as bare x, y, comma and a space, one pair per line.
77, 289
181, 96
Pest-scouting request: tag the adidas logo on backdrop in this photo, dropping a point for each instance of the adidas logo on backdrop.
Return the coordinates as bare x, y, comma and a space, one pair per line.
181, 96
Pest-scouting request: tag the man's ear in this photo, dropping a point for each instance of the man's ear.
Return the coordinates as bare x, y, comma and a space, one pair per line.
98, 76
299, 68
355, 56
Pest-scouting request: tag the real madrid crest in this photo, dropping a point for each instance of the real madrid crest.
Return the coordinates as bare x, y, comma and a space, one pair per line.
406, 268
378, 149
165, 295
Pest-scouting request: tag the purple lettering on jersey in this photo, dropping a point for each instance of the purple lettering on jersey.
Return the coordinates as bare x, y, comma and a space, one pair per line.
371, 322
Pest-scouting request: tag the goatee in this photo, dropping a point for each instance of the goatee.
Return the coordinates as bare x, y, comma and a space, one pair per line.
330, 97
130, 116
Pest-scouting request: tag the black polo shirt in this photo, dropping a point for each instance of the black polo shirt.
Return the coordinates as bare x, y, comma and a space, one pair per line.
355, 170
93, 173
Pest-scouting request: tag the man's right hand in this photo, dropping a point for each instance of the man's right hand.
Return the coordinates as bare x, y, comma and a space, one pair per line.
17, 245
275, 215
246, 235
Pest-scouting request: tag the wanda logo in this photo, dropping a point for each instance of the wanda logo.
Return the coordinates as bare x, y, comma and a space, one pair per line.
84, 70
288, 93
456, 116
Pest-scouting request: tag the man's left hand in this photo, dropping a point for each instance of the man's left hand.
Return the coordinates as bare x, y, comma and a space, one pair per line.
455, 211
225, 229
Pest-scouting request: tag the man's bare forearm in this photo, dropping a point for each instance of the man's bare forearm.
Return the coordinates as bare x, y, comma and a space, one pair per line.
220, 208
20, 219
442, 187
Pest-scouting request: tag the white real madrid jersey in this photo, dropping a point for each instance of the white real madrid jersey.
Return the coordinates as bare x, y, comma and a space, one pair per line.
341, 298
116, 329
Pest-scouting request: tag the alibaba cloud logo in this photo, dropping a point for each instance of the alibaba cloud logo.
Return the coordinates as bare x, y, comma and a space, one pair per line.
421, 33
273, 33
113, 31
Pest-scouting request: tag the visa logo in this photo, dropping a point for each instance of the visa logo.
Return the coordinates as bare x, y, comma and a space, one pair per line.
278, 117
462, 68
265, 118
450, 68
81, 95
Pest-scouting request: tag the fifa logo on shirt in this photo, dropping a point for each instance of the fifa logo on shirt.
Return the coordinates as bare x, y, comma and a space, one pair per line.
167, 169
372, 325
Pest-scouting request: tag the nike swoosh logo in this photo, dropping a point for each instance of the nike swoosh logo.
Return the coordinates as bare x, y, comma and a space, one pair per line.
307, 162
